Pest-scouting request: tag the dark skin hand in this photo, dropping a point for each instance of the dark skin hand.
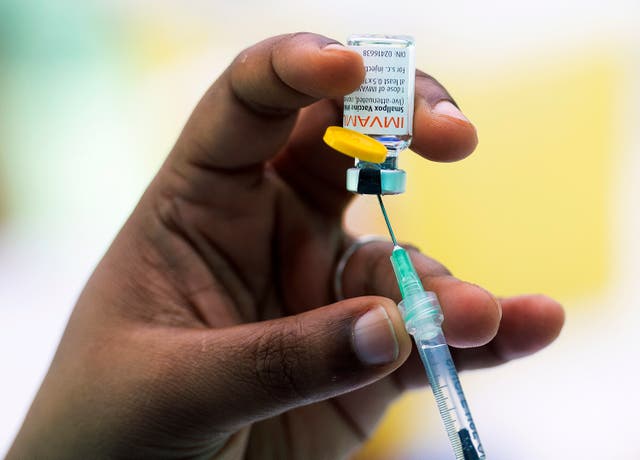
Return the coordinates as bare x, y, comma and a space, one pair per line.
210, 330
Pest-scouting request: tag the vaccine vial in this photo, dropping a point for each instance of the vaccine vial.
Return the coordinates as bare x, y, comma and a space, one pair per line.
382, 108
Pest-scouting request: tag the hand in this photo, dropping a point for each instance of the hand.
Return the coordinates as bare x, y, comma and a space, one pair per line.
208, 329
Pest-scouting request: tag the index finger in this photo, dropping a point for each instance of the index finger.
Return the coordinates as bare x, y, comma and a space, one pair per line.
247, 115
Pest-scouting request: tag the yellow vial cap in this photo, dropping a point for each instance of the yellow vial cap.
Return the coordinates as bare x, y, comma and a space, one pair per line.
355, 144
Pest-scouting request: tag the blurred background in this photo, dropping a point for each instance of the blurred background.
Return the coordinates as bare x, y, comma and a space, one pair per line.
93, 95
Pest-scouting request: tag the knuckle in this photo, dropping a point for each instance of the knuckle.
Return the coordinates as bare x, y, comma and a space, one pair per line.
281, 359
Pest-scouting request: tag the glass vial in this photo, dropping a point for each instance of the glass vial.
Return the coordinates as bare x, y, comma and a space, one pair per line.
382, 107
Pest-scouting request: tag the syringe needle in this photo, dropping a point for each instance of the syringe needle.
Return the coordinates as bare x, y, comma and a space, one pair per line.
386, 219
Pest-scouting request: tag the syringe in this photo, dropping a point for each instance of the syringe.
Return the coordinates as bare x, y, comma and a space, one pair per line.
423, 318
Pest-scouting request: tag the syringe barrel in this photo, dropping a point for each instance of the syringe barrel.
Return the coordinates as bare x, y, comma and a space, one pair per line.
446, 387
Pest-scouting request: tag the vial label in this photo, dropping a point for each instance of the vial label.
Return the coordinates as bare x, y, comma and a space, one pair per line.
383, 104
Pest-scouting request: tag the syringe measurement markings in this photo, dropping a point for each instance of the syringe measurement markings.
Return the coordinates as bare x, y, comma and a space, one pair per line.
443, 398
449, 424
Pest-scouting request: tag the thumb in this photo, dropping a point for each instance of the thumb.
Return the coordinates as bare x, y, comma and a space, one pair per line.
254, 371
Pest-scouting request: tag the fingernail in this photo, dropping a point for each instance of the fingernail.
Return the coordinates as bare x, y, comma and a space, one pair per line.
335, 47
374, 339
447, 108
